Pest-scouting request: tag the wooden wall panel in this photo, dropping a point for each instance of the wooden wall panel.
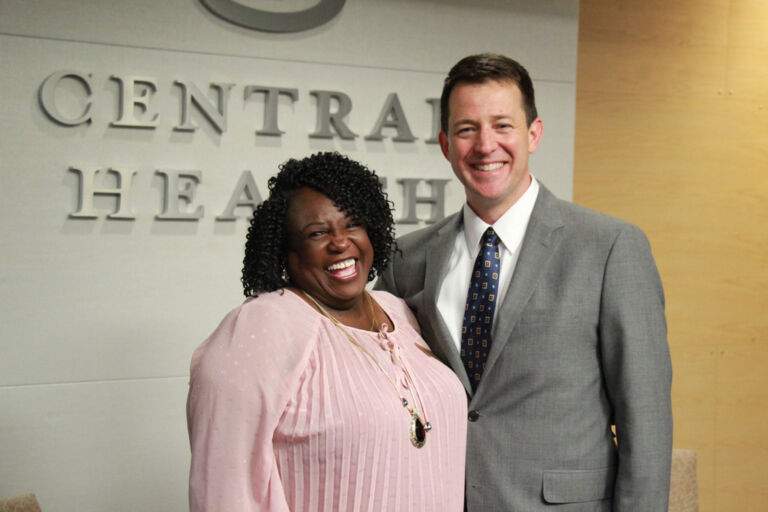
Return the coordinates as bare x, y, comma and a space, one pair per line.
741, 427
748, 49
694, 380
671, 129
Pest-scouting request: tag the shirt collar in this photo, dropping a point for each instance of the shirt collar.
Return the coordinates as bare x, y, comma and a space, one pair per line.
511, 225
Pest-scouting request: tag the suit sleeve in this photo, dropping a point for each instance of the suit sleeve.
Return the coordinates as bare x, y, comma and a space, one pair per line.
238, 389
386, 280
638, 373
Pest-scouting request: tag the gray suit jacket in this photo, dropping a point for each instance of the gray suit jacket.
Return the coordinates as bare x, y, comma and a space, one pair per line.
579, 345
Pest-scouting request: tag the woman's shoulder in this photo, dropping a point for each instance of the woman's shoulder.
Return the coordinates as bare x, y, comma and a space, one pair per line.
388, 301
271, 312
273, 307
395, 306
274, 326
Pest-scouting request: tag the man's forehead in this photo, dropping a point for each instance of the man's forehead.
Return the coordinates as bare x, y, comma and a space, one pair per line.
505, 82
472, 91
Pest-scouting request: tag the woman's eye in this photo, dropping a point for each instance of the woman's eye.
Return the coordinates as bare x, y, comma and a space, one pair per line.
316, 234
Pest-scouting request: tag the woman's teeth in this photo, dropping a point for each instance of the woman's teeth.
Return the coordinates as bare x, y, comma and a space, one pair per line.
342, 264
343, 269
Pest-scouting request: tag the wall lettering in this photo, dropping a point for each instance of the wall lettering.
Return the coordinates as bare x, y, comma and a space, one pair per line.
271, 21
137, 110
177, 201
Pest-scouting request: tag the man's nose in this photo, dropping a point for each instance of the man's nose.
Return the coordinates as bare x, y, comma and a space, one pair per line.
485, 142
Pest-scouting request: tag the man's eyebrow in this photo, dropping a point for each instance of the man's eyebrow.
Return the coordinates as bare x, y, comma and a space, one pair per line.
463, 121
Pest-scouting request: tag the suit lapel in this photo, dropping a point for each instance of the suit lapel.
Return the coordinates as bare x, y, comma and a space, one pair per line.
438, 252
539, 244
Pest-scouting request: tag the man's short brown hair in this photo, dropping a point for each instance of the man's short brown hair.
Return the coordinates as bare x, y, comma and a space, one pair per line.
486, 67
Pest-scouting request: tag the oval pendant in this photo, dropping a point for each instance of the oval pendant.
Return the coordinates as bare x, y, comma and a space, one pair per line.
418, 432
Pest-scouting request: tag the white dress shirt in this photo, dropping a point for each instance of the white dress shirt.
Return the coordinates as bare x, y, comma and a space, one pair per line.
452, 295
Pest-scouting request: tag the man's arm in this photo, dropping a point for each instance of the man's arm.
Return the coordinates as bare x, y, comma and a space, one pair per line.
386, 280
638, 373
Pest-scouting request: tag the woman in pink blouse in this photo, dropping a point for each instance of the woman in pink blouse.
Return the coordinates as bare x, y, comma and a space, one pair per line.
315, 394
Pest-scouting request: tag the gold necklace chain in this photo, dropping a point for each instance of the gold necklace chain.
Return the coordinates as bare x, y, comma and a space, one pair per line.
418, 428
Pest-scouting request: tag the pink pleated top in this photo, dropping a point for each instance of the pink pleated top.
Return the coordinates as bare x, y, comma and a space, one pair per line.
285, 413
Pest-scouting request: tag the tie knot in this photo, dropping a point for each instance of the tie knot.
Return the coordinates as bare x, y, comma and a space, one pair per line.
490, 237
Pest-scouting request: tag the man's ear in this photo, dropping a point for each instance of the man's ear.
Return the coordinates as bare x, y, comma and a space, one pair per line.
442, 138
535, 132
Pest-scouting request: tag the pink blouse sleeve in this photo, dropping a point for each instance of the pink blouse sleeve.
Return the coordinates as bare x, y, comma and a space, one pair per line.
240, 380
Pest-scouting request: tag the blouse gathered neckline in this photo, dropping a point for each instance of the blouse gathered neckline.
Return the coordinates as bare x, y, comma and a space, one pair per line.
390, 325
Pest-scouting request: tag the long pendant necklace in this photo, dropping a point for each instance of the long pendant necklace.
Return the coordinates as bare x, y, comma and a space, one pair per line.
417, 428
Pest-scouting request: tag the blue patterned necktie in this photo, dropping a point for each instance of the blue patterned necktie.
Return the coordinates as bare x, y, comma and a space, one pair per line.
482, 298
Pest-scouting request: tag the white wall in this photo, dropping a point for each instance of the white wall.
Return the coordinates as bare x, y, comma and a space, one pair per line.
98, 318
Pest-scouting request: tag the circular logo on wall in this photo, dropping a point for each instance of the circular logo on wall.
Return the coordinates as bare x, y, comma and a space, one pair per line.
271, 21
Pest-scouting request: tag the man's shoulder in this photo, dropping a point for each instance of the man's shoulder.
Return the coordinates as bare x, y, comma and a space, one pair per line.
580, 219
581, 215
418, 238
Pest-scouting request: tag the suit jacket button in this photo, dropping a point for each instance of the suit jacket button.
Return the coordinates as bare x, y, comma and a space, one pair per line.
473, 416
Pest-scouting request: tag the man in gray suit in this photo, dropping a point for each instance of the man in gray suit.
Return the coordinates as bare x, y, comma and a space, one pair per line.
563, 340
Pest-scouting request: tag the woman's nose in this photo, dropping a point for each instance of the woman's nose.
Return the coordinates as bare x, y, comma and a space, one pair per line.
339, 241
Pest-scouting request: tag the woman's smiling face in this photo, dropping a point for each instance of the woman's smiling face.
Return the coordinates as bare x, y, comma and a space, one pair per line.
328, 254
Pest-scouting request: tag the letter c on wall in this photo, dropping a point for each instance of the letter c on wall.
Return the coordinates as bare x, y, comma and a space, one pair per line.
47, 97
269, 21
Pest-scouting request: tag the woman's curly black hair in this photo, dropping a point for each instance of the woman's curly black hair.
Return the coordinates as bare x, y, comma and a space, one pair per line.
354, 189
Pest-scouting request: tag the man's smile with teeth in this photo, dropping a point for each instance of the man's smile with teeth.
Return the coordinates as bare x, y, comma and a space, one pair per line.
488, 167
